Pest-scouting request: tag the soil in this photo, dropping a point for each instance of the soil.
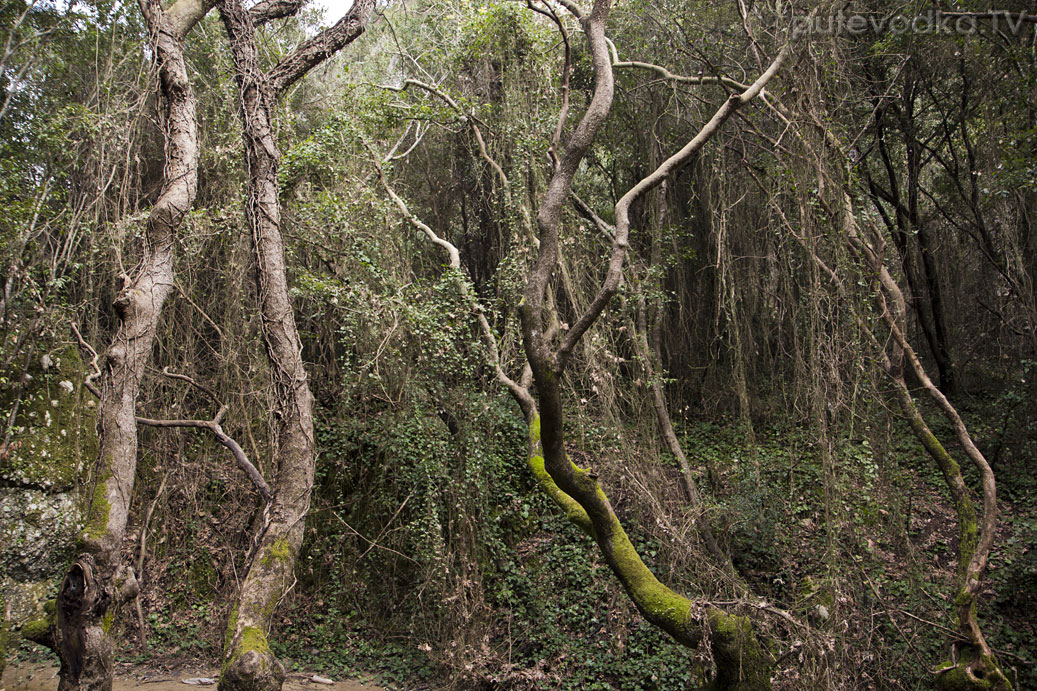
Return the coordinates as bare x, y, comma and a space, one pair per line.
37, 677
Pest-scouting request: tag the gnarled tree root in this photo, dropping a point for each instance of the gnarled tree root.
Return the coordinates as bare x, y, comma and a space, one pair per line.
252, 666
969, 672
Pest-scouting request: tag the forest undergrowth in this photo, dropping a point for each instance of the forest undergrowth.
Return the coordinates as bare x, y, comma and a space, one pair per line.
535, 607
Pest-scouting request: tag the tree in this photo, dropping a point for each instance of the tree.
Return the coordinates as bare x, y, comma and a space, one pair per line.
248, 660
98, 583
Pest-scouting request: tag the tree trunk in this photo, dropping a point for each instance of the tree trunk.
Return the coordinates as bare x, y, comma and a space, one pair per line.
248, 662
97, 582
977, 667
741, 661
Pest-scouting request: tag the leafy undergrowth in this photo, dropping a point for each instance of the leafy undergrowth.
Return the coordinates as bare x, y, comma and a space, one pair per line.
475, 581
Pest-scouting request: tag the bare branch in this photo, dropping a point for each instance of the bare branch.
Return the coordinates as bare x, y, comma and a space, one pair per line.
451, 250
670, 76
469, 119
222, 437
519, 391
563, 111
572, 7
549, 216
665, 169
606, 228
268, 10
201, 387
95, 371
211, 425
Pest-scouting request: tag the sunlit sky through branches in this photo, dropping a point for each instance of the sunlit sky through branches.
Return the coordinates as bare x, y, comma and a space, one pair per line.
334, 9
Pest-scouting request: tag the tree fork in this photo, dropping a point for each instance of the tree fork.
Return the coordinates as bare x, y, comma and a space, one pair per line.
741, 661
248, 662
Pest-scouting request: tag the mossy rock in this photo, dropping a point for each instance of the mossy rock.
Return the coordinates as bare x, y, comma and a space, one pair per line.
37, 533
54, 436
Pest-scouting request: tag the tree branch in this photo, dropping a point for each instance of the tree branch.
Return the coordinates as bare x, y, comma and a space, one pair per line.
667, 168
268, 10
469, 119
322, 46
212, 425
222, 437
184, 14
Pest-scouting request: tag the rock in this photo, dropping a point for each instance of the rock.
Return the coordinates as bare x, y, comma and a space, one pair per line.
321, 680
43, 471
199, 681
25, 600
37, 530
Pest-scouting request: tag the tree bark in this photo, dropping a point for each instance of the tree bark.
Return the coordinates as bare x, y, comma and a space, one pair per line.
977, 667
741, 661
97, 582
248, 662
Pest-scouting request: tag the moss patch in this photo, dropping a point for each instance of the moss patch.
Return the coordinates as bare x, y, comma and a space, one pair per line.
534, 430
252, 640
280, 551
100, 510
34, 630
54, 431
573, 511
232, 623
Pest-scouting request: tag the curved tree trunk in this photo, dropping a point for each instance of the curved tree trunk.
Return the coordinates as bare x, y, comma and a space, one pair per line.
97, 583
741, 661
248, 662
976, 667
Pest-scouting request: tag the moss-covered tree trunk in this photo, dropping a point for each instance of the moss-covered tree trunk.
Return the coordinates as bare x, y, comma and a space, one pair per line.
248, 662
98, 582
973, 665
741, 661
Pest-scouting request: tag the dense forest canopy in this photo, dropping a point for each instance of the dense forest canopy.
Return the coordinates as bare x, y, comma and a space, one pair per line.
634, 344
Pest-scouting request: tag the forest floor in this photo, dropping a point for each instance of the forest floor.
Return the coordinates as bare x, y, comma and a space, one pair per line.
29, 676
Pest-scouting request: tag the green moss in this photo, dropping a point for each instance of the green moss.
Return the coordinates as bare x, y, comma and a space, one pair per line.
41, 630
280, 551
100, 510
573, 511
954, 678
54, 430
252, 640
534, 430
727, 628
232, 623
107, 620
36, 630
741, 662
659, 604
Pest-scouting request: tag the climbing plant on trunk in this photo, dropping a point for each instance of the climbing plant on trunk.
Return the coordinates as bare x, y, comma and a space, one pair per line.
98, 582
248, 662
